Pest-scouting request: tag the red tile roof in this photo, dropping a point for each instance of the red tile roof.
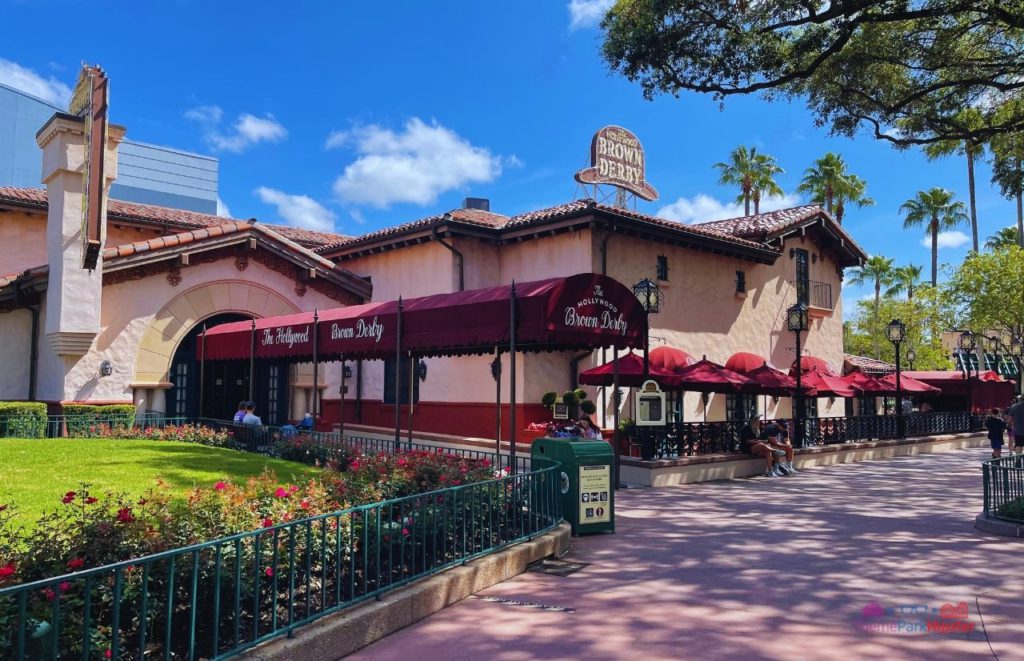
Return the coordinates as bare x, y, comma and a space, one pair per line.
466, 216
172, 240
176, 218
868, 365
764, 224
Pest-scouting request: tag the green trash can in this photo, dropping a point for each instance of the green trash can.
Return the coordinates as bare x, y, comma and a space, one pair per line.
588, 493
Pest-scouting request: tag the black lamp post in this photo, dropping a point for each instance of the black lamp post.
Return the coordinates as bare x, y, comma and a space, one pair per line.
897, 333
1017, 349
649, 295
993, 346
911, 357
796, 322
967, 346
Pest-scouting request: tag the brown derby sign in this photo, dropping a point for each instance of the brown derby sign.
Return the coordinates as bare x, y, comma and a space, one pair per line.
617, 159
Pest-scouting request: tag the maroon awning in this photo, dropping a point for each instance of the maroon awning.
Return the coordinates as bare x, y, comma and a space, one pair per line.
909, 385
670, 358
869, 385
580, 311
631, 373
770, 381
826, 385
808, 363
744, 361
706, 376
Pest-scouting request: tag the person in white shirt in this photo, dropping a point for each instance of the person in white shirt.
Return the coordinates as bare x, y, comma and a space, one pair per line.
250, 417
588, 429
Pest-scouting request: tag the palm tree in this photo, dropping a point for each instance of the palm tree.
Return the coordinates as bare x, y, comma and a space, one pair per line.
904, 279
878, 269
764, 184
753, 172
1004, 238
971, 150
936, 210
828, 183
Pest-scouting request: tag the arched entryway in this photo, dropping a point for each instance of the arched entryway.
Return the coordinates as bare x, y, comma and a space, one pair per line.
225, 383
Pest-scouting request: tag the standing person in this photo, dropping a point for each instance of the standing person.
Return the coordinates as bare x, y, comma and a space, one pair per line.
240, 413
996, 427
751, 442
1015, 414
250, 417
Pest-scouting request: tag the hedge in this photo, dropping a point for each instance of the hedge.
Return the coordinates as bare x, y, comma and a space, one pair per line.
82, 418
23, 419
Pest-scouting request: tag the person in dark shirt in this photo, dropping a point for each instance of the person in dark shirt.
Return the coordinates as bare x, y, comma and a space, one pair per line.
754, 441
996, 427
776, 435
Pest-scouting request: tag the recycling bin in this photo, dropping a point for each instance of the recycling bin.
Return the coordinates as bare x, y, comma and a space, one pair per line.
588, 493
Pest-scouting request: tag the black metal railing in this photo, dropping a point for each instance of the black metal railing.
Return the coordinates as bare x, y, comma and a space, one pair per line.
685, 439
1003, 483
813, 293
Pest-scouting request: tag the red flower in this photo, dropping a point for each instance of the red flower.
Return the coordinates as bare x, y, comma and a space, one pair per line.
49, 594
220, 486
293, 488
281, 492
269, 571
124, 515
7, 570
68, 497
108, 654
65, 586
90, 500
405, 531
76, 563
304, 505
142, 501
267, 523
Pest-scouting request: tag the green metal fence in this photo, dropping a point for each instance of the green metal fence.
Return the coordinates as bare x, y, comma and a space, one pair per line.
216, 599
79, 425
1003, 481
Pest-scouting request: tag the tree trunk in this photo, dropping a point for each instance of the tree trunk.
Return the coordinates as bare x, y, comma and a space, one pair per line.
746, 200
1020, 220
829, 195
840, 210
970, 190
757, 201
878, 300
935, 252
910, 291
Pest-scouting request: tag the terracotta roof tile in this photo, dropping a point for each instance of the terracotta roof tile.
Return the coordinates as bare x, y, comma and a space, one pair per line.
869, 365
763, 224
177, 218
468, 216
172, 240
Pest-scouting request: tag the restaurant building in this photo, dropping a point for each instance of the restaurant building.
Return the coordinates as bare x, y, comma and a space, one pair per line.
125, 332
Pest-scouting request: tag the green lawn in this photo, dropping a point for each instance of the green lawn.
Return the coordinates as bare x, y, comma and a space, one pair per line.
36, 473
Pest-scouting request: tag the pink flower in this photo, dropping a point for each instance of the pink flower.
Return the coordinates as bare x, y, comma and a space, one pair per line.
293, 488
405, 531
281, 492
400, 462
269, 571
108, 654
220, 486
64, 586
267, 523
76, 563
68, 497
7, 570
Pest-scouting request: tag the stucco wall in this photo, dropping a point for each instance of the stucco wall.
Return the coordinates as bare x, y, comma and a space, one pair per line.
22, 241
15, 329
414, 271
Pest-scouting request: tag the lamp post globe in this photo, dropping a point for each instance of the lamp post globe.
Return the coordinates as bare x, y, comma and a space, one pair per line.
648, 294
967, 342
896, 331
911, 357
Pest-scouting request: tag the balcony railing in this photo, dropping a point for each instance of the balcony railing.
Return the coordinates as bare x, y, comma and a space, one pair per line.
817, 294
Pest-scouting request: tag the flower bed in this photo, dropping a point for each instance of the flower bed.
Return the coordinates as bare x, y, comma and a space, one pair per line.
246, 585
186, 433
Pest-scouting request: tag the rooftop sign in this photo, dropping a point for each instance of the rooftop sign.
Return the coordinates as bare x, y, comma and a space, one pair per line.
617, 159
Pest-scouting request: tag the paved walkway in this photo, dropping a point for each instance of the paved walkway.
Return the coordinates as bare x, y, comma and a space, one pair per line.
759, 569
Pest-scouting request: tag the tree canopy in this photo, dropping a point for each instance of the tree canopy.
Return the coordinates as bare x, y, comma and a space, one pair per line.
989, 289
904, 68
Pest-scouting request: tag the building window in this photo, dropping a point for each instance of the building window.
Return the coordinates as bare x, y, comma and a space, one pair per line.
866, 406
662, 267
803, 278
811, 407
403, 388
274, 393
180, 379
740, 407
741, 282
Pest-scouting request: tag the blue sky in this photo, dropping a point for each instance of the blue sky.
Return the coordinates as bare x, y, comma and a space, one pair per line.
356, 116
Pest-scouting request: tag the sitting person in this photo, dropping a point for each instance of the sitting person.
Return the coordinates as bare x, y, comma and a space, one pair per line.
250, 416
307, 422
776, 434
240, 413
588, 429
751, 442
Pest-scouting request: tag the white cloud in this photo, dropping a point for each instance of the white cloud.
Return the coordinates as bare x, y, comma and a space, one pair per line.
953, 239
357, 216
298, 210
587, 13
704, 208
248, 129
414, 165
222, 208
28, 81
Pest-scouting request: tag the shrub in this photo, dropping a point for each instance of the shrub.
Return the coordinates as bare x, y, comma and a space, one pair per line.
581, 394
305, 449
81, 419
588, 407
22, 419
569, 398
549, 399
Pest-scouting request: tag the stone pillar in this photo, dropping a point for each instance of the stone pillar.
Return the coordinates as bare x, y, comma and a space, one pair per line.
74, 295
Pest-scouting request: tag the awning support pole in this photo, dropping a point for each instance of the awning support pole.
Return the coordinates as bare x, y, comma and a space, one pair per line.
615, 404
341, 416
398, 378
316, 369
496, 372
202, 371
513, 323
252, 361
412, 376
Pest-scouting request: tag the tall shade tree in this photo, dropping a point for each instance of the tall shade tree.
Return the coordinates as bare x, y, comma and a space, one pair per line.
882, 64
1004, 238
989, 288
905, 279
936, 211
971, 150
1008, 173
746, 169
764, 184
828, 183
877, 270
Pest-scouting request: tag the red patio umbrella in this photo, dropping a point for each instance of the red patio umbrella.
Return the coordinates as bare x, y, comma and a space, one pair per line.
631, 373
809, 363
706, 376
670, 358
869, 385
744, 362
770, 381
827, 386
909, 385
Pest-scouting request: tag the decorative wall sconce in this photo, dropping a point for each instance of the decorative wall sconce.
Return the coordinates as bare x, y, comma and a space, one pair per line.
422, 369
106, 368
